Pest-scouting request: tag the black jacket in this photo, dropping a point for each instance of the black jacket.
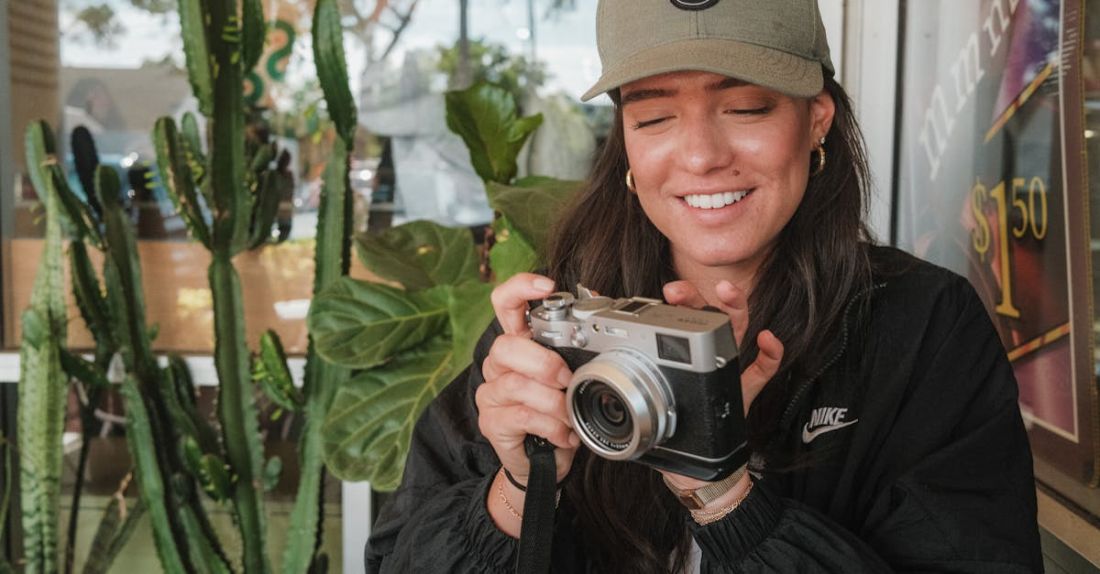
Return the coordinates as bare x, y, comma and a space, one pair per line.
922, 461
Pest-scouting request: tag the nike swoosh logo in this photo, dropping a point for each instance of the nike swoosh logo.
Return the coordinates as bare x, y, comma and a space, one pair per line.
808, 435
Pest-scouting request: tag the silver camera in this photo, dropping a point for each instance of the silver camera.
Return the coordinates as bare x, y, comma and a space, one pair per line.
652, 382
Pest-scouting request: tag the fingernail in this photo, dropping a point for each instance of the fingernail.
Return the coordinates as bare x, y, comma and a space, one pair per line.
544, 284
574, 439
564, 377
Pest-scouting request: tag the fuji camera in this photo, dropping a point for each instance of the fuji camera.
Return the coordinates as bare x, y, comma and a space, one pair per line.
652, 382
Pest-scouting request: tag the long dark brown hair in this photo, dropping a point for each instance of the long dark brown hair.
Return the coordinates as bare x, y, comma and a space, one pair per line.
627, 519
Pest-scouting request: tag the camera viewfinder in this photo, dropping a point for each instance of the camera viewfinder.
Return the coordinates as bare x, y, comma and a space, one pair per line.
672, 348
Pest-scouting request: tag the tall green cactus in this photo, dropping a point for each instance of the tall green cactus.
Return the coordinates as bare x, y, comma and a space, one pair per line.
331, 259
184, 538
223, 40
43, 383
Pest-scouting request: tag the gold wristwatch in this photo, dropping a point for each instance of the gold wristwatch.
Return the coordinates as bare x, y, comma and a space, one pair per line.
697, 498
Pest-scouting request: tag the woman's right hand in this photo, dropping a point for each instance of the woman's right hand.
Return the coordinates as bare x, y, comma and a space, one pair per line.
524, 388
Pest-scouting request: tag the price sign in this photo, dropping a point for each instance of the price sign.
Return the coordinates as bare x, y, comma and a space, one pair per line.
990, 186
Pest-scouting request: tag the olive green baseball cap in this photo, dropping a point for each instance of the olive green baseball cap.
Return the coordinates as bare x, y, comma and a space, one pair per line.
778, 44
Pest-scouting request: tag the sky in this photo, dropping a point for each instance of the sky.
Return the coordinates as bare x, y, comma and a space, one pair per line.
565, 42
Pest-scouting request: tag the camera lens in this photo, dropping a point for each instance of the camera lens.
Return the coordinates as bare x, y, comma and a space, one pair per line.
607, 418
612, 409
621, 404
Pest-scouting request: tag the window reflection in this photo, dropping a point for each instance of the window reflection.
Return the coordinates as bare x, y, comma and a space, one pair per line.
120, 70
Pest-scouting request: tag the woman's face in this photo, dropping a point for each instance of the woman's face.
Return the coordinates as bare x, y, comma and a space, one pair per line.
719, 165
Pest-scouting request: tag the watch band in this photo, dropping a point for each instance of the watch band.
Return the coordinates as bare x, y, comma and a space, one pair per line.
699, 497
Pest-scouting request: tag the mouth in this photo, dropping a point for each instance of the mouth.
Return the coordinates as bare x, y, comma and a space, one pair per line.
715, 200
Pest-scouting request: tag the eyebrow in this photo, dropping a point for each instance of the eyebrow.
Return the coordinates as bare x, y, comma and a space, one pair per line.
639, 95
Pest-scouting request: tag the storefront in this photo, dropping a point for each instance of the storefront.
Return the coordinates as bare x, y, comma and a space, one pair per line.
982, 119
996, 180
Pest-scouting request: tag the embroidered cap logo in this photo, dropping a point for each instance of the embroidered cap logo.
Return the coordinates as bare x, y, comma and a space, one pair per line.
693, 4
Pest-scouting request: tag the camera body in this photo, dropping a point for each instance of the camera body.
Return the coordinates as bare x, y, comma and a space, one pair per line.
652, 382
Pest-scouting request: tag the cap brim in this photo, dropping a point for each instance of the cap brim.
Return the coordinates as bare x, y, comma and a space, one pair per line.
780, 71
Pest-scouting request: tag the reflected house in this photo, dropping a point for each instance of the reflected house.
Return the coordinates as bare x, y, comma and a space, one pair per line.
434, 177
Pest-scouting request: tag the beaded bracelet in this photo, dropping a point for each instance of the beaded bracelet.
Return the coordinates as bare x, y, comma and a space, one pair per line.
705, 517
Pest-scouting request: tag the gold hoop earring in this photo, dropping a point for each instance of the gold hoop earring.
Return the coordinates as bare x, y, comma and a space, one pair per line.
629, 180
820, 158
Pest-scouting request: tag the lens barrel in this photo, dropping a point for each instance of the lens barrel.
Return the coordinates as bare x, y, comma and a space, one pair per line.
621, 404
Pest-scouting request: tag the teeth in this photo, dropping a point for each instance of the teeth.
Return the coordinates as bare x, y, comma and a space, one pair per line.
715, 200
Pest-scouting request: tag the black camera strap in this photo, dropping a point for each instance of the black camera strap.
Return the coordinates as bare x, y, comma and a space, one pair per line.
537, 531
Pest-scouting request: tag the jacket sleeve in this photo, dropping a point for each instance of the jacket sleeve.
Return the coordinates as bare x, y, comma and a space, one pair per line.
947, 480
436, 521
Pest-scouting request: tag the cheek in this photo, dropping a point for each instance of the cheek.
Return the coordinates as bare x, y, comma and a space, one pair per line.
646, 160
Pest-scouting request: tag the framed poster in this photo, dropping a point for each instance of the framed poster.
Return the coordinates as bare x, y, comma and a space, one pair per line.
992, 184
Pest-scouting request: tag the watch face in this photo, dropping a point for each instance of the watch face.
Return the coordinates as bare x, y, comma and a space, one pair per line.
690, 500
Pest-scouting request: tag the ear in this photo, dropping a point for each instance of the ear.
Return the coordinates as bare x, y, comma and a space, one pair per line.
822, 110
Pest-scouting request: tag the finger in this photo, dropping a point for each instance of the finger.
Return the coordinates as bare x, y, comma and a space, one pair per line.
510, 300
509, 425
683, 293
735, 303
524, 356
513, 388
763, 368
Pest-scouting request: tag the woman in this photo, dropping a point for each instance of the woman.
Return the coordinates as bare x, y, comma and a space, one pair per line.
881, 408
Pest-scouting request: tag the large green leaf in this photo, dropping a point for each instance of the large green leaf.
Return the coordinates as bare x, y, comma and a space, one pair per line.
332, 69
420, 254
511, 253
366, 434
484, 116
359, 324
532, 204
471, 311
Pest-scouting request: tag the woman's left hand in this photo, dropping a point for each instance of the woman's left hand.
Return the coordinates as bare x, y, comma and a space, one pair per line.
734, 302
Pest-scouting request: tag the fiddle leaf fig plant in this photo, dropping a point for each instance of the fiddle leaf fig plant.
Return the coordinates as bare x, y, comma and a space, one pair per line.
484, 116
407, 343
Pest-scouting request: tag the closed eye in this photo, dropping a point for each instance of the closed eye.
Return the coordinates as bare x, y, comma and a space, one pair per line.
750, 112
647, 123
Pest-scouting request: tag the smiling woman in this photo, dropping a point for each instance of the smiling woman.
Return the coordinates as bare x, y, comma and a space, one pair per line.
719, 165
880, 407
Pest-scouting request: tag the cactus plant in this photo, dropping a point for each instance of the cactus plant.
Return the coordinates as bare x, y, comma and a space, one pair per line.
222, 41
43, 383
332, 259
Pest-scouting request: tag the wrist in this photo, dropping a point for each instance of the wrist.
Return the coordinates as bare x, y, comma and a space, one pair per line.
735, 493
697, 495
505, 504
717, 512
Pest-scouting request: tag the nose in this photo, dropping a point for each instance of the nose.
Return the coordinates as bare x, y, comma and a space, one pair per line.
705, 147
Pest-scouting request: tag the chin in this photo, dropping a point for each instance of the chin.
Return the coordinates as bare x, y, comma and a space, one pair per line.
720, 258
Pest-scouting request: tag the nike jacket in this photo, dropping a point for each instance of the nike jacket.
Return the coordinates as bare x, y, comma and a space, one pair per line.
921, 460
